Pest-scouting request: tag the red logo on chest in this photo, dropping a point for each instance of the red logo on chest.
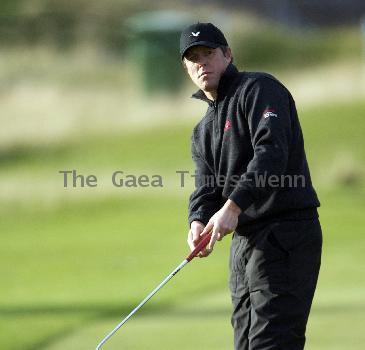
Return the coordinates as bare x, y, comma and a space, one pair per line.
227, 125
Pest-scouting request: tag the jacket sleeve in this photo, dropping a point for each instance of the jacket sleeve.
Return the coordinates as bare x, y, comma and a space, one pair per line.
206, 200
267, 109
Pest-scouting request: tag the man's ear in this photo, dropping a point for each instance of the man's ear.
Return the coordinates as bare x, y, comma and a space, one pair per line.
184, 63
228, 54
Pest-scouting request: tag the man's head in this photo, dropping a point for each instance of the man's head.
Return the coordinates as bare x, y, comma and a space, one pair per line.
205, 54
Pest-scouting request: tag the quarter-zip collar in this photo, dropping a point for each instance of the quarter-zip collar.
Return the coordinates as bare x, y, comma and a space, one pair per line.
224, 83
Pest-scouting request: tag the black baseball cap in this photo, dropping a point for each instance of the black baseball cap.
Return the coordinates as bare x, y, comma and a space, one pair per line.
205, 34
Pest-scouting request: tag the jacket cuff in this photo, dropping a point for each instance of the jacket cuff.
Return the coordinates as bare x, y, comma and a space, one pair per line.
203, 217
243, 198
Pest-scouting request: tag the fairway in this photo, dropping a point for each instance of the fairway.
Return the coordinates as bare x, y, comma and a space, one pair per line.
74, 263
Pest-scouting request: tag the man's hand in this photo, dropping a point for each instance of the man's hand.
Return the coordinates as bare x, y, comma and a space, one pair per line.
221, 223
196, 228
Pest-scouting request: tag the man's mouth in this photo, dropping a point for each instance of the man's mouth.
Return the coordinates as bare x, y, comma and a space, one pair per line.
204, 74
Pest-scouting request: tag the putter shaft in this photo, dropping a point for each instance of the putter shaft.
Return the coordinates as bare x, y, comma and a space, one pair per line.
144, 301
202, 244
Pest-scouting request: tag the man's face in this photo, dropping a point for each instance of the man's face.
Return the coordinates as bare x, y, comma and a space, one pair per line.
205, 66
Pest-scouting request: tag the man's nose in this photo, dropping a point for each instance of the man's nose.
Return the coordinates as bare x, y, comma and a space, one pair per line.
202, 61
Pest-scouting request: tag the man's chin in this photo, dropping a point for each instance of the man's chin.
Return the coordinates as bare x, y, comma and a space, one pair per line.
208, 87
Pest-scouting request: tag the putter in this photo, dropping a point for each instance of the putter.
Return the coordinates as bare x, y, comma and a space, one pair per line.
202, 244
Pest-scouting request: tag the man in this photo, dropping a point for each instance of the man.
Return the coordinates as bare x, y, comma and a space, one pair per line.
253, 180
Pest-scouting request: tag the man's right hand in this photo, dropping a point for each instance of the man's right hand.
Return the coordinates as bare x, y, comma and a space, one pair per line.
196, 228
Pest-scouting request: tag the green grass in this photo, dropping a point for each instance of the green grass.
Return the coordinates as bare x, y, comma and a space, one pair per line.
329, 130
273, 47
68, 275
71, 270
334, 129
167, 147
88, 260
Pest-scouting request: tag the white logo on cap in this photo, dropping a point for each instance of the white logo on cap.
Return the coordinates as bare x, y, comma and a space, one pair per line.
195, 34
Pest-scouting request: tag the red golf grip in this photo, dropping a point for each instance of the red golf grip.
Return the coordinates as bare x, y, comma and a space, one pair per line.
202, 244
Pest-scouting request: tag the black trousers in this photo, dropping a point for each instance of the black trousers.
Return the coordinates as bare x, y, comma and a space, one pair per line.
274, 273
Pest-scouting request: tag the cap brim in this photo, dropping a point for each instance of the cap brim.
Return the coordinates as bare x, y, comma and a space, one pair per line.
199, 43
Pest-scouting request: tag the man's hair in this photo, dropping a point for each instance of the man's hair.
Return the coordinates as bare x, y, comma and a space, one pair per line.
222, 47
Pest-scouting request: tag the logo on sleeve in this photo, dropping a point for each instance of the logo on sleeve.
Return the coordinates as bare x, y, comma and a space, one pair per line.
269, 112
227, 125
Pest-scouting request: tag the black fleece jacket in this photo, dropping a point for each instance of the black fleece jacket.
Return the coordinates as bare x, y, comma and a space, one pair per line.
249, 148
